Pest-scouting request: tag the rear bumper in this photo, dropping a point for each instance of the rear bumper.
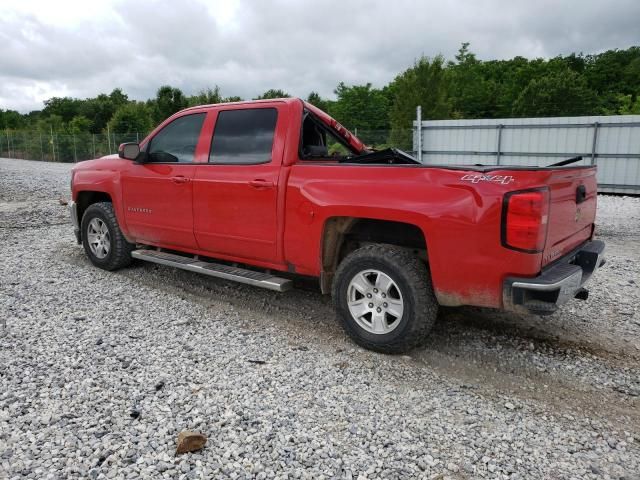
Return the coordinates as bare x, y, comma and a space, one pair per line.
73, 212
556, 284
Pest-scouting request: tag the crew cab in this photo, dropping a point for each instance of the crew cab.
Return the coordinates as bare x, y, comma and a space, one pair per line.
261, 192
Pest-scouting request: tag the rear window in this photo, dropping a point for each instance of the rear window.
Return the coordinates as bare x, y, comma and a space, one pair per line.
243, 136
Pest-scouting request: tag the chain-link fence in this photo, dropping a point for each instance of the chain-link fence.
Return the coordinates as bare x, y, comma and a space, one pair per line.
55, 147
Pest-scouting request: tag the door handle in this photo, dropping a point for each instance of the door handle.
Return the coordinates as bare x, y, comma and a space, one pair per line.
179, 179
261, 183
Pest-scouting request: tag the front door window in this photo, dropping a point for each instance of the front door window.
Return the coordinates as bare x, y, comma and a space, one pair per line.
177, 141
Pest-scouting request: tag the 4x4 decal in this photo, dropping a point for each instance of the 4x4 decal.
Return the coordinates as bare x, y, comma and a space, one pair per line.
478, 177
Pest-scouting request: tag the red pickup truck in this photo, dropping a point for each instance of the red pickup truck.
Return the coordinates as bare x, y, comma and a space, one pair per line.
260, 192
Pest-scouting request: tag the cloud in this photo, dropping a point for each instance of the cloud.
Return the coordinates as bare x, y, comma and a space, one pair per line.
247, 47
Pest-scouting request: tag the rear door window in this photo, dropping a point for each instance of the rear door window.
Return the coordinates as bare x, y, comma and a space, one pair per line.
243, 137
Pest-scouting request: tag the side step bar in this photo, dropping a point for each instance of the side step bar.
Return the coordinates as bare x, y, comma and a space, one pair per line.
226, 272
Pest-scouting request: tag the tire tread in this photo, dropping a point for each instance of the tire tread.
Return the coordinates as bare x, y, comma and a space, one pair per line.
419, 279
121, 249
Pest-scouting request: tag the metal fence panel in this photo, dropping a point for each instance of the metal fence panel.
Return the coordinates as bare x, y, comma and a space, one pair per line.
610, 142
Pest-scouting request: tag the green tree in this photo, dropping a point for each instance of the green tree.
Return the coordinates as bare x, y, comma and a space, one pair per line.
233, 98
131, 118
79, 124
613, 74
50, 123
316, 100
12, 120
423, 84
562, 93
31, 119
361, 107
627, 105
272, 93
118, 97
168, 101
99, 111
614, 71
631, 74
471, 94
65, 107
206, 96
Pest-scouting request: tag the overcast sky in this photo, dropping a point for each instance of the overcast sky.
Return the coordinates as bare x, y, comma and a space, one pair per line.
80, 48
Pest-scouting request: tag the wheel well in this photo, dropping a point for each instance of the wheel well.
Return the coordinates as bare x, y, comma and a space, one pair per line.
89, 198
343, 235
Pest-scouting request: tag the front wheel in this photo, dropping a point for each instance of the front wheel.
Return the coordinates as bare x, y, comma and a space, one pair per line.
384, 298
102, 239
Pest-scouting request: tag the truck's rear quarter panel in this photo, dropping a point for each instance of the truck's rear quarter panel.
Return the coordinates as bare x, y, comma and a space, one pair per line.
460, 220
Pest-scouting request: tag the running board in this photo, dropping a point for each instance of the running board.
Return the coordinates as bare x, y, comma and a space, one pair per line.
218, 270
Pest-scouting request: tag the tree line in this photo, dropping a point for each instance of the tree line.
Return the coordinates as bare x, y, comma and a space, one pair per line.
607, 83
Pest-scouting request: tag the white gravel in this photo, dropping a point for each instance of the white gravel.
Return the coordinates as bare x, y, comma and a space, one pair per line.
492, 395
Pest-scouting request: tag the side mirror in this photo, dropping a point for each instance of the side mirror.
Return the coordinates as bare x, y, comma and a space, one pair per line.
130, 151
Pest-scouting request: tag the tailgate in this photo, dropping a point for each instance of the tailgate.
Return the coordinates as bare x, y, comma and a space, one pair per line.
572, 210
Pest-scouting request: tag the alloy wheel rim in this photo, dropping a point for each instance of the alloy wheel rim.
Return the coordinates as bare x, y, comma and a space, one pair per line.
375, 301
99, 238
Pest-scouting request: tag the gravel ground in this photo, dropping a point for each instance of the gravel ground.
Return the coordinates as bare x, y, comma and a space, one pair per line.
100, 371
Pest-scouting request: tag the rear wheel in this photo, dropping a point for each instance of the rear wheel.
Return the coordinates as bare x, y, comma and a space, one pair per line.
384, 298
102, 239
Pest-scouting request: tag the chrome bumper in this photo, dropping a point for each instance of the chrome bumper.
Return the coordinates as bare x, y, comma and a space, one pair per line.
73, 212
557, 284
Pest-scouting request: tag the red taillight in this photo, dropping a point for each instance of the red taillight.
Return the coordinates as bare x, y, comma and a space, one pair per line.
524, 220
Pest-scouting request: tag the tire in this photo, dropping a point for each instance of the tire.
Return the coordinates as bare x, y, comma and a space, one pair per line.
404, 320
102, 238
